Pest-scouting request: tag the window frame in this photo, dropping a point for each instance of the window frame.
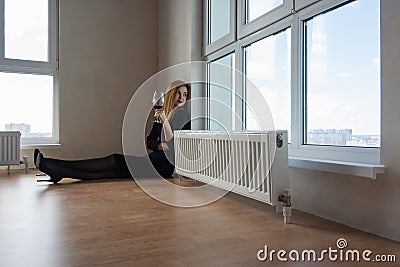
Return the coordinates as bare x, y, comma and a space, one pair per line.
272, 16
297, 148
50, 68
299, 4
265, 33
231, 49
224, 40
303, 10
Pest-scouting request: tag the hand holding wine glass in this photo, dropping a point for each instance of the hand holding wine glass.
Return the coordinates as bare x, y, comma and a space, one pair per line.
158, 103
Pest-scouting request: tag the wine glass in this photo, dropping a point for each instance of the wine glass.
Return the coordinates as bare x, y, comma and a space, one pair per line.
158, 102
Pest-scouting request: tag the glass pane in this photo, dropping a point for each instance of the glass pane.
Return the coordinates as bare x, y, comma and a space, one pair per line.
26, 29
220, 19
267, 65
221, 80
26, 104
257, 8
343, 76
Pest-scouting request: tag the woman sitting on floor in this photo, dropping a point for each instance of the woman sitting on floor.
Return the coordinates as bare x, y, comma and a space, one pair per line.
160, 162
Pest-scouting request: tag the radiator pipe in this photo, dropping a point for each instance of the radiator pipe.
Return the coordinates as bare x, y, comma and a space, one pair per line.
287, 205
25, 161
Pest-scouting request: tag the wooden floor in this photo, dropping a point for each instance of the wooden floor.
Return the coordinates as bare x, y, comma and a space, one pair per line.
114, 223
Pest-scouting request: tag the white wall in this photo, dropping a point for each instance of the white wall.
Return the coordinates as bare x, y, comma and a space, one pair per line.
174, 32
107, 49
358, 202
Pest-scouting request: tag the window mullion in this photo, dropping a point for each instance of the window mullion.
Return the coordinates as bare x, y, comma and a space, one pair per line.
296, 88
237, 94
53, 32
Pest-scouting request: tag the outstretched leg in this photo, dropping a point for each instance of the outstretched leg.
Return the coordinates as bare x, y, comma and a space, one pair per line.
86, 165
57, 170
90, 165
87, 169
110, 167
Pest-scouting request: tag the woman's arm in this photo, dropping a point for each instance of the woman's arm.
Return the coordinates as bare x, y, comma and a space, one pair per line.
179, 120
167, 130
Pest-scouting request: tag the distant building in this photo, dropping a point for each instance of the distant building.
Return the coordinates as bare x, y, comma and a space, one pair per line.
347, 134
25, 129
342, 137
330, 136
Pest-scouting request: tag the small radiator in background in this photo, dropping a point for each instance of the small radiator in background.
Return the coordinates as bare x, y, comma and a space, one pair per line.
10, 148
253, 164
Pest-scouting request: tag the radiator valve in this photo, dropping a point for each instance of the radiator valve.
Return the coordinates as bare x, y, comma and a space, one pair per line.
285, 198
287, 205
279, 140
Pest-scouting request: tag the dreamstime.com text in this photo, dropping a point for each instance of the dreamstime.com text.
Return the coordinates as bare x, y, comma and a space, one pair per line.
338, 253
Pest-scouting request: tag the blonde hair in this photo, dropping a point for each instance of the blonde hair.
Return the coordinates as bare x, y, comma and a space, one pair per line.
170, 95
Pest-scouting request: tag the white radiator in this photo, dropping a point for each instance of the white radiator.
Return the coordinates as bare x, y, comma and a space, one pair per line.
10, 148
254, 164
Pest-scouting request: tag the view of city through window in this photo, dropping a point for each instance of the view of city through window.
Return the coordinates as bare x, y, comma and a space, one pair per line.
25, 130
26, 104
342, 137
342, 59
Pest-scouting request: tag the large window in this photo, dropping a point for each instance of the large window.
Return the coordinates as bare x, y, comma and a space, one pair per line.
267, 65
342, 76
317, 66
220, 89
28, 69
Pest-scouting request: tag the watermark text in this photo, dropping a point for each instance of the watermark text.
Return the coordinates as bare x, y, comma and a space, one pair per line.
338, 253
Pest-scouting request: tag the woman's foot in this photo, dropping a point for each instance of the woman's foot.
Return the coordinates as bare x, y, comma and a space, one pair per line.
43, 167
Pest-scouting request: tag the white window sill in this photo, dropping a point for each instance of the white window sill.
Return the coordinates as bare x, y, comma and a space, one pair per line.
342, 167
40, 146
